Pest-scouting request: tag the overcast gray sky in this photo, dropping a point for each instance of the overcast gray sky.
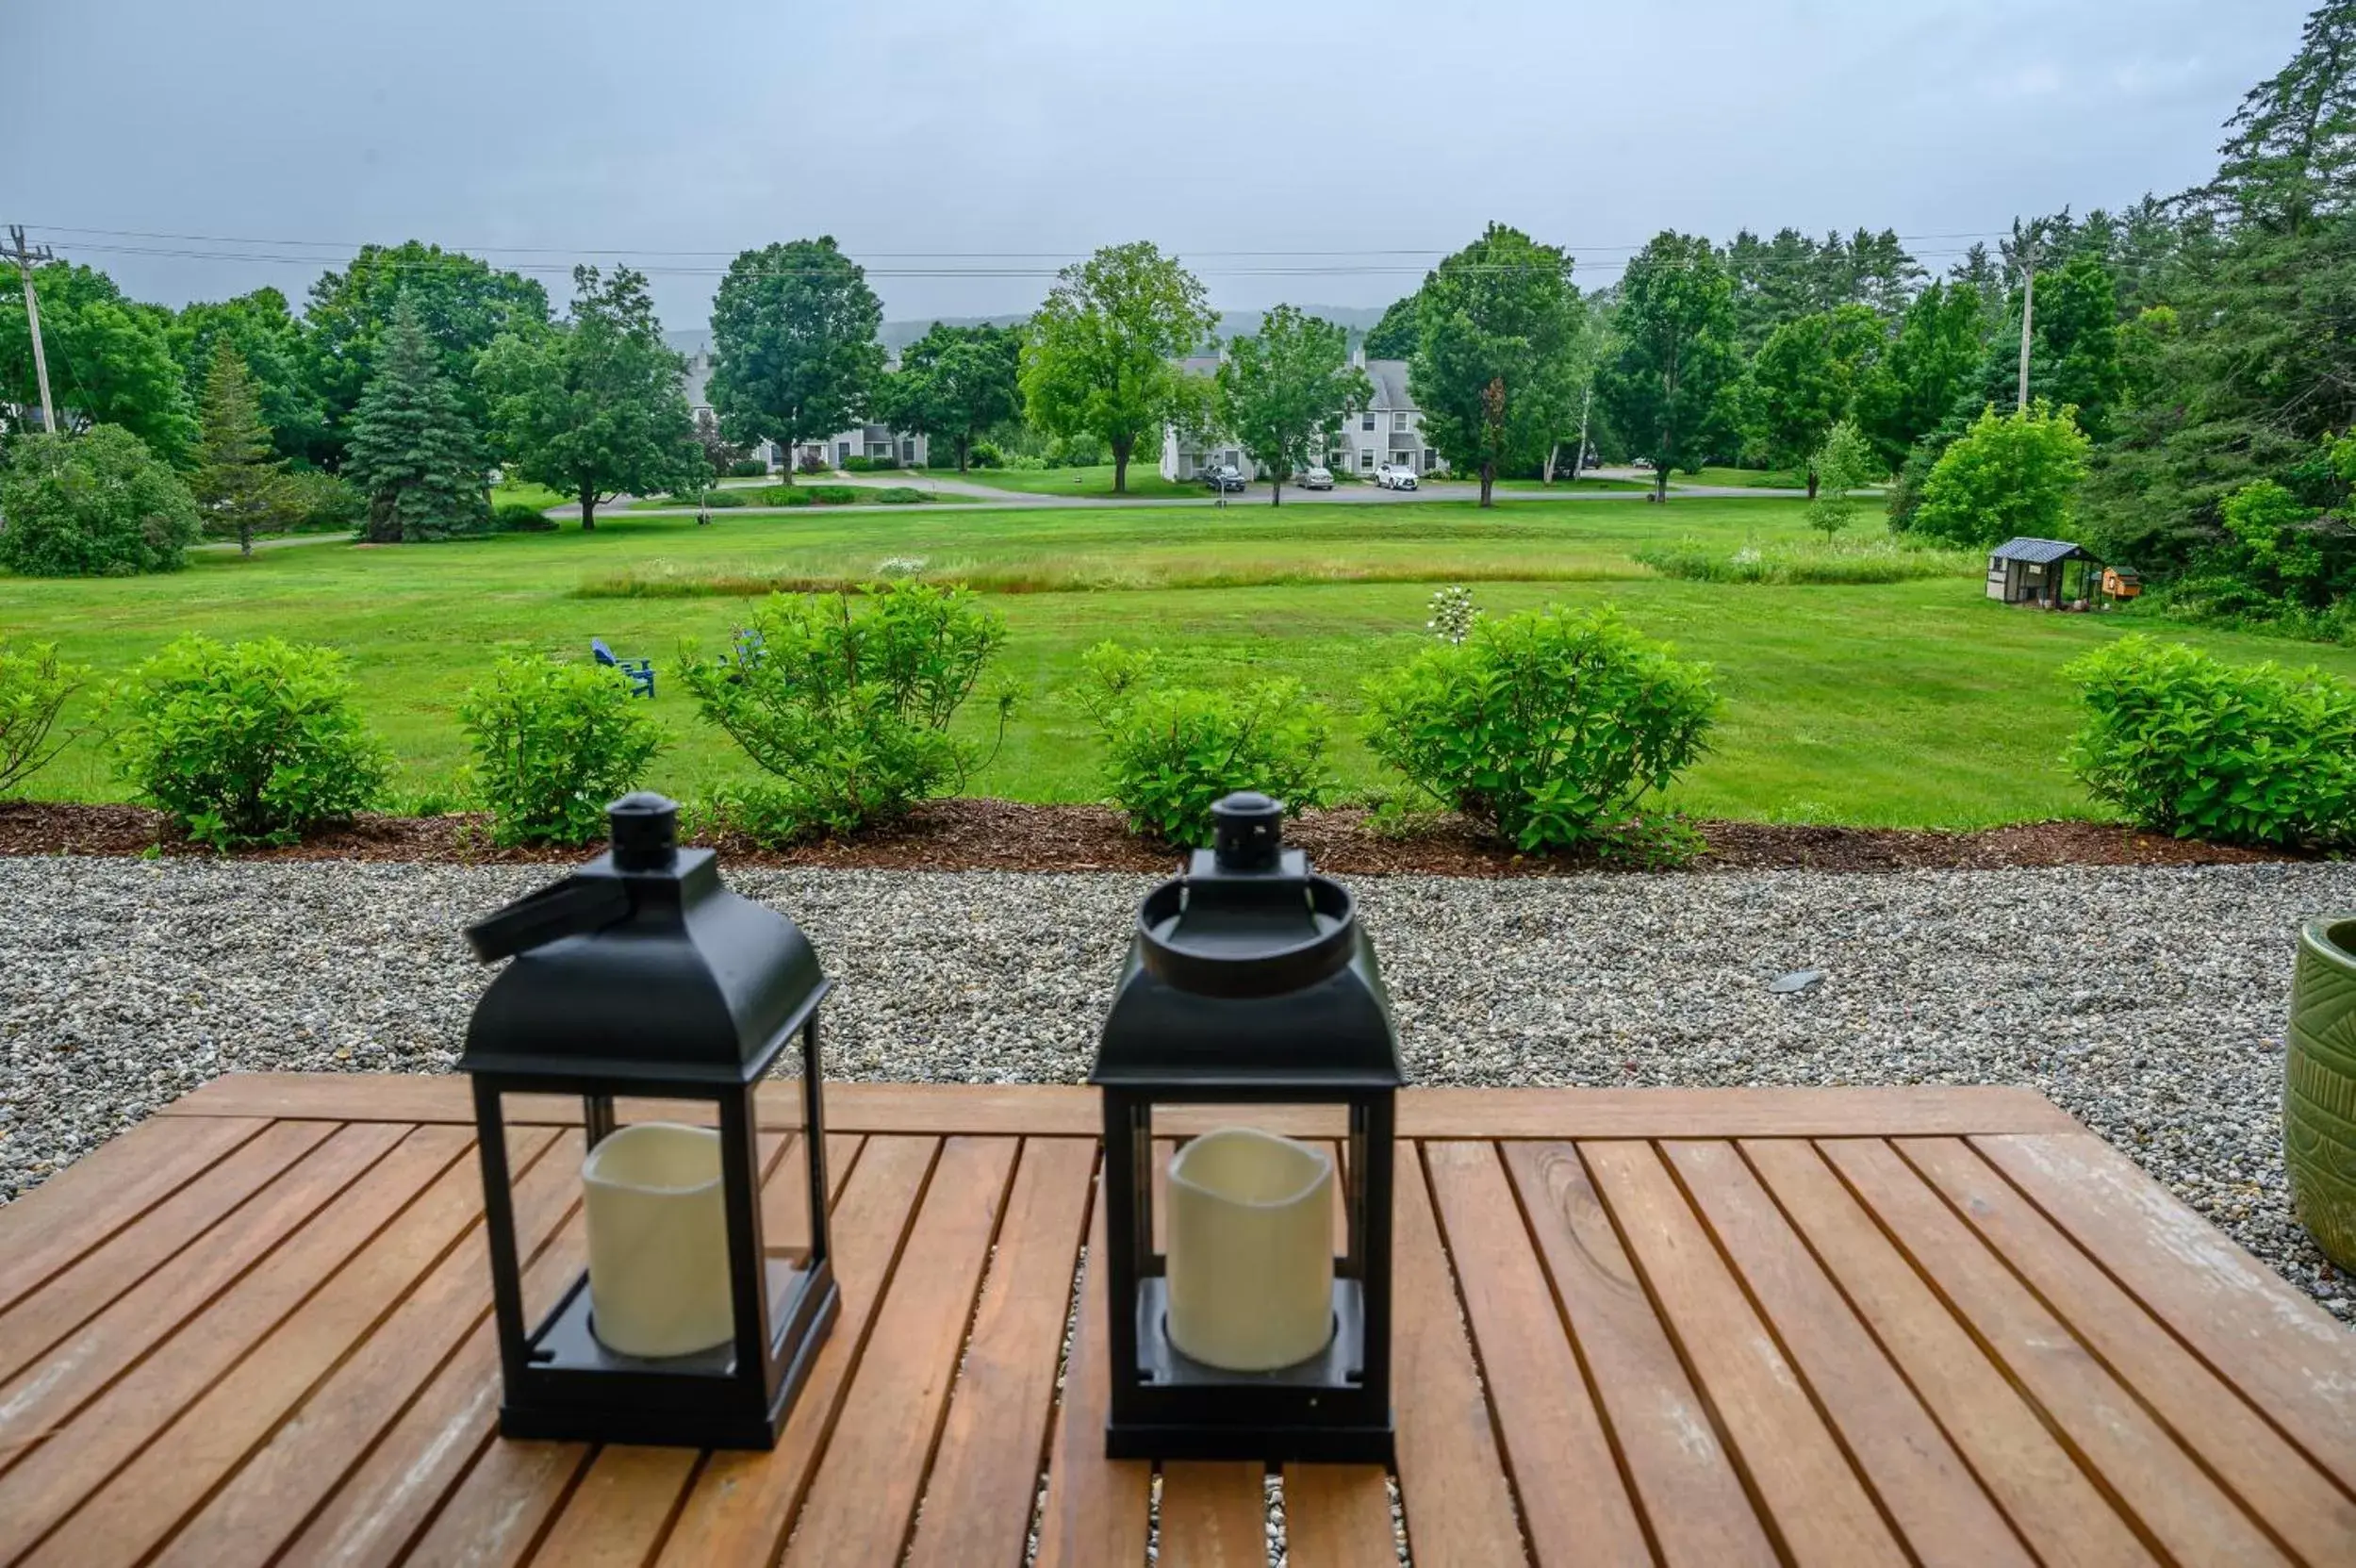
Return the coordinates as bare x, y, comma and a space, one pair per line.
533, 135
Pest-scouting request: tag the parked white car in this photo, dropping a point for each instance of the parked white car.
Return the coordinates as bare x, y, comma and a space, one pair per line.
1314, 477
1395, 476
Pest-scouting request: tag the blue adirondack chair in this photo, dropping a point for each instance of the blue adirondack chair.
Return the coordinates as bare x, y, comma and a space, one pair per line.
641, 671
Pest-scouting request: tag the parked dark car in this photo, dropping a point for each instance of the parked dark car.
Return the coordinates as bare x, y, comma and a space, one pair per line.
1225, 477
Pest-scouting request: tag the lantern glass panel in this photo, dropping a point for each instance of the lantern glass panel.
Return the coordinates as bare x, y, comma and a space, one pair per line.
652, 1211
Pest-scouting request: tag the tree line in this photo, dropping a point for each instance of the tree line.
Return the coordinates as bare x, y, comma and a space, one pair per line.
2184, 406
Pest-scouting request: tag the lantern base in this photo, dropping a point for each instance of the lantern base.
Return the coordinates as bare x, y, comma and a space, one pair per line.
573, 1389
1315, 1411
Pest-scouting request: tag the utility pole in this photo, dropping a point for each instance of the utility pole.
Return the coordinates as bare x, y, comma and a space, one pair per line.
25, 260
2028, 309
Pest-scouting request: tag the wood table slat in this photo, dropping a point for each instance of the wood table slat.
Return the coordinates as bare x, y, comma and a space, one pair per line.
864, 1489
1336, 1517
977, 1504
1814, 1499
76, 1368
86, 1287
1214, 1514
1575, 1505
2038, 1482
2185, 1513
2312, 1515
2279, 1349
144, 1501
741, 1505
615, 1518
86, 1203
89, 1442
1453, 1490
1041, 1110
1693, 1499
1927, 1489
278, 1485
1095, 1513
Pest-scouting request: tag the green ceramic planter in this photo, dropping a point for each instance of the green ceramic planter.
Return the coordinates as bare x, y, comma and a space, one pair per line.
2319, 1087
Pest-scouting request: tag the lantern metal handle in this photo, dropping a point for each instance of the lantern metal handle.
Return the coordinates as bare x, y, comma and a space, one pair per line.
573, 907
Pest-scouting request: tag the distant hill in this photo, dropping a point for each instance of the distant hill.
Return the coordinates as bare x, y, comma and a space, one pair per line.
1233, 323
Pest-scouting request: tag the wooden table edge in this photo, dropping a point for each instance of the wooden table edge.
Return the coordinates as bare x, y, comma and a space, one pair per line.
1047, 1111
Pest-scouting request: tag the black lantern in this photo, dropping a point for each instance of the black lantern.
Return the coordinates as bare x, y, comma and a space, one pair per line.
1249, 983
640, 975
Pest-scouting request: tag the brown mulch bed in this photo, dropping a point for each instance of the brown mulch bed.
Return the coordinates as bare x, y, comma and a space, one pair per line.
1006, 835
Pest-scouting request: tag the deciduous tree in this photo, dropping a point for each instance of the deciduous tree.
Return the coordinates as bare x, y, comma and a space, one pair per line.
2009, 475
109, 361
1500, 353
267, 338
794, 350
1843, 462
461, 304
413, 449
1100, 357
593, 407
1806, 379
1672, 355
1282, 392
1394, 337
955, 382
96, 504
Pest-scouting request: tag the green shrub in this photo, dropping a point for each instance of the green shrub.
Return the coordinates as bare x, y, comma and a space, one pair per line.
721, 499
2008, 476
848, 706
1876, 560
34, 686
248, 743
516, 516
869, 464
900, 495
98, 504
985, 455
2181, 742
1549, 726
748, 468
323, 503
553, 743
807, 495
1171, 751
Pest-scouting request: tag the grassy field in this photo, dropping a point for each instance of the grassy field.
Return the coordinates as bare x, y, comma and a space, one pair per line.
529, 495
1907, 704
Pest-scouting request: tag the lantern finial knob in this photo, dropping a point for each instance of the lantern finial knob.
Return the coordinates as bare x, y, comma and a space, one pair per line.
646, 831
1247, 831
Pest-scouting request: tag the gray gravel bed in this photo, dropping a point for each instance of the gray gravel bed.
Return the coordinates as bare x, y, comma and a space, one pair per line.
2146, 1003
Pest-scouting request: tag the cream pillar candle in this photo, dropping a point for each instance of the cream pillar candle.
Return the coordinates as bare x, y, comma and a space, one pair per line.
658, 1241
1251, 1254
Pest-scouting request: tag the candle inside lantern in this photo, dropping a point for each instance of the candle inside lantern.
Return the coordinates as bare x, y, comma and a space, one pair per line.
1250, 1255
658, 1241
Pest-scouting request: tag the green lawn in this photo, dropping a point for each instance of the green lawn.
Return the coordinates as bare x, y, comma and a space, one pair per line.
1756, 479
1916, 704
1095, 484
530, 495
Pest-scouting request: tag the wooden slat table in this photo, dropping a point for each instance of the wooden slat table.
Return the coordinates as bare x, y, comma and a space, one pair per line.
1717, 1327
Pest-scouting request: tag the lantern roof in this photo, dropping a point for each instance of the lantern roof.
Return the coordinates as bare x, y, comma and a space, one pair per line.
641, 968
1249, 974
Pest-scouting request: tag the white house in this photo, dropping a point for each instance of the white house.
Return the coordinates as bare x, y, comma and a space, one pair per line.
874, 441
1389, 429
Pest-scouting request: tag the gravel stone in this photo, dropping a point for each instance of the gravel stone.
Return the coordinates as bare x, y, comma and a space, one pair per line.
2146, 1003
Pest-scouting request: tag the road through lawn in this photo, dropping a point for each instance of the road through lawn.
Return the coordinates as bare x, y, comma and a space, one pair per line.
1912, 704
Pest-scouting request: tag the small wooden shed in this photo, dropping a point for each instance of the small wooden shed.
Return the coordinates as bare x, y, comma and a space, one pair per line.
2032, 571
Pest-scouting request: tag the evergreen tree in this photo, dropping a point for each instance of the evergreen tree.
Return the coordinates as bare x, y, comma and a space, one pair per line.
412, 451
241, 488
